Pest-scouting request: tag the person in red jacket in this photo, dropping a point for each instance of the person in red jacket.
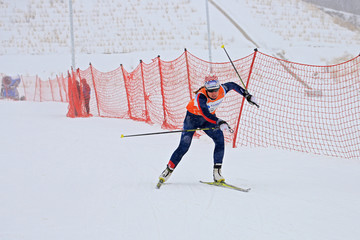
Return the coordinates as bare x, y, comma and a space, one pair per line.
201, 114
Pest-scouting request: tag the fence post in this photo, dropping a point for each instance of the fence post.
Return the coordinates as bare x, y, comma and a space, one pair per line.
71, 108
76, 99
36, 87
96, 94
188, 72
64, 83
126, 90
58, 82
162, 92
147, 117
40, 84
81, 97
52, 90
242, 104
22, 80
68, 86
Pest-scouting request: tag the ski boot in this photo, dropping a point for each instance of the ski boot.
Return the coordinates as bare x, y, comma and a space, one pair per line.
164, 176
217, 173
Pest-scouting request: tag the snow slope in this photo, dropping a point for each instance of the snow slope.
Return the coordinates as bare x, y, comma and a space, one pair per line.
65, 178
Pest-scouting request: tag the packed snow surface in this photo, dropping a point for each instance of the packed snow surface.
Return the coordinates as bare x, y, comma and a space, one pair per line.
64, 178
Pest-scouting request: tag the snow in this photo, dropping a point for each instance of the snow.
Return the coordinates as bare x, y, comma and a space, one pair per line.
64, 178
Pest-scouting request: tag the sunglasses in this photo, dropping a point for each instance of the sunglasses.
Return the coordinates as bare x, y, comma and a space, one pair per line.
213, 90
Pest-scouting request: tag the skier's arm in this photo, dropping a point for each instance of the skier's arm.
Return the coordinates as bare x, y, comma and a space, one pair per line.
233, 86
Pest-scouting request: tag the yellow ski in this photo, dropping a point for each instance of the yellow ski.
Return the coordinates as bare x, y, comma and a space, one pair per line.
226, 185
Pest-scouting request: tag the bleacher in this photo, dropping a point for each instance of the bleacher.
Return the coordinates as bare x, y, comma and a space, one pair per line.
110, 26
101, 26
297, 21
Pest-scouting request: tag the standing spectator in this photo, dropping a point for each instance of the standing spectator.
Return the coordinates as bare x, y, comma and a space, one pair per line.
86, 94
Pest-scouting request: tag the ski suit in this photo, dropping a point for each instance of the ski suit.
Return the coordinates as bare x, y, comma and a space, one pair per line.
201, 114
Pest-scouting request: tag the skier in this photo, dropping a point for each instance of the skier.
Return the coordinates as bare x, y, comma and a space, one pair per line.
201, 114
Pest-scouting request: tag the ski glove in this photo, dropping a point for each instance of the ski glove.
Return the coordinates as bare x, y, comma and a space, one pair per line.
251, 99
224, 126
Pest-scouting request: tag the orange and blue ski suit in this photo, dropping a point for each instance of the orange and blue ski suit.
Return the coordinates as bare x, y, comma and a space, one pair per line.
201, 114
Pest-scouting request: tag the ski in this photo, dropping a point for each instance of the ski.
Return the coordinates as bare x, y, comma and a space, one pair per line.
226, 185
159, 183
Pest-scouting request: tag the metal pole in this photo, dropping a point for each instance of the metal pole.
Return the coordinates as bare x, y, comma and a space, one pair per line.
72, 35
208, 30
175, 131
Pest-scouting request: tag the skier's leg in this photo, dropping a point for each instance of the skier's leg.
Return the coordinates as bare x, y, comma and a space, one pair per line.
190, 122
218, 138
185, 142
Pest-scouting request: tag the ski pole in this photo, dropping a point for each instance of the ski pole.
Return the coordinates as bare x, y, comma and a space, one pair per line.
223, 47
176, 131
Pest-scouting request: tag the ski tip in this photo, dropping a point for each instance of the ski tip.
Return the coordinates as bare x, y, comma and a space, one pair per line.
161, 181
222, 46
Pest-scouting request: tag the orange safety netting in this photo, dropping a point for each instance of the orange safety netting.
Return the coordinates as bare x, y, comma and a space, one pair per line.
32, 88
305, 108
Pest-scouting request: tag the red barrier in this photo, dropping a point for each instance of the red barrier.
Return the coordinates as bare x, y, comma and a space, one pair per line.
305, 108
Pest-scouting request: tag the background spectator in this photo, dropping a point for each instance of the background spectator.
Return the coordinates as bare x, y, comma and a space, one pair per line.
9, 87
86, 94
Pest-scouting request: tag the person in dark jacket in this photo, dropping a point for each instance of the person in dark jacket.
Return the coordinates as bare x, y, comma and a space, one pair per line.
86, 94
